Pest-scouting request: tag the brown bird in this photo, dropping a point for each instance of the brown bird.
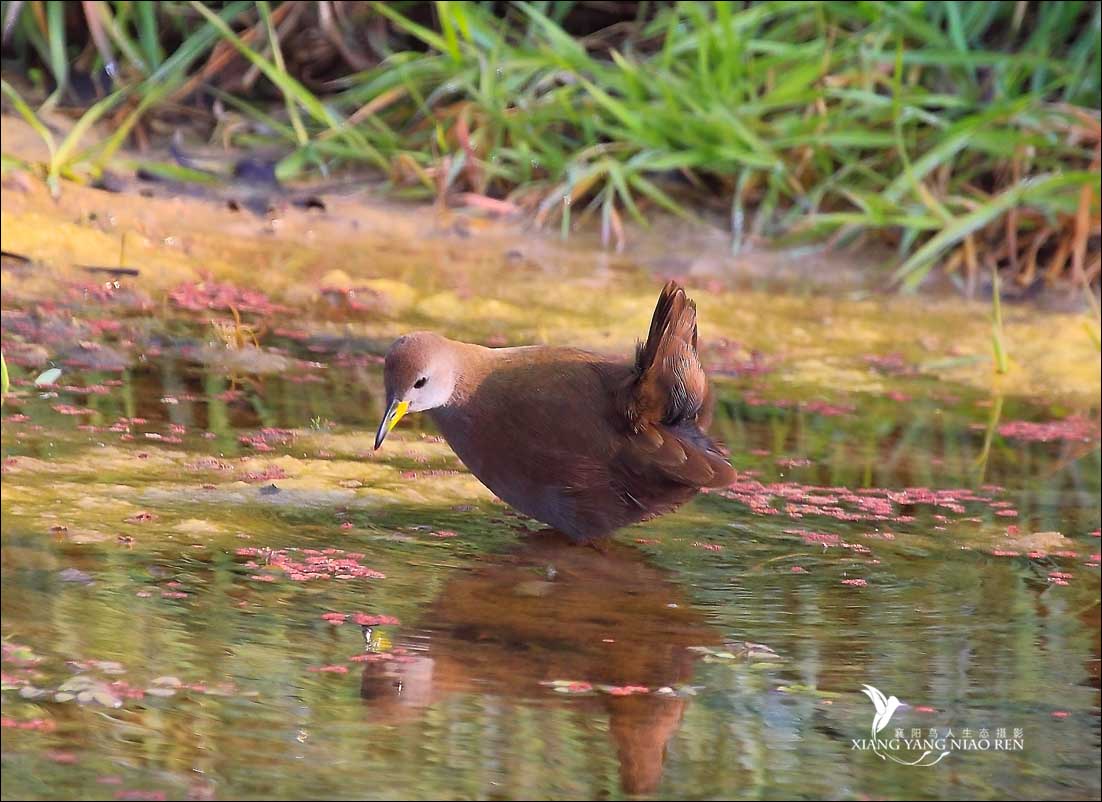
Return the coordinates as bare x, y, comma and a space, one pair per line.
582, 442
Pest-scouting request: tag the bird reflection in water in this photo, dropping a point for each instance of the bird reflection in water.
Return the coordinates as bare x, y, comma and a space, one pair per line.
551, 611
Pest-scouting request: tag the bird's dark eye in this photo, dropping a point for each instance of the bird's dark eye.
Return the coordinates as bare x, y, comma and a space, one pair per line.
421, 382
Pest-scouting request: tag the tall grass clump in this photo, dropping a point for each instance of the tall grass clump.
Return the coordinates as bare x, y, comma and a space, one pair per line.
963, 134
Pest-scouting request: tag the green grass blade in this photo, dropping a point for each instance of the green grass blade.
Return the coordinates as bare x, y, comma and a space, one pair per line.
277, 56
84, 124
912, 271
149, 34
27, 113
289, 86
426, 35
59, 58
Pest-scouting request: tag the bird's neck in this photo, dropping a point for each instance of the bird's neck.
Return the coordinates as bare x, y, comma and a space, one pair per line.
473, 363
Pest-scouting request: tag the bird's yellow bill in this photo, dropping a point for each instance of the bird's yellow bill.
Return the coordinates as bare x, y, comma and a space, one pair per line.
394, 413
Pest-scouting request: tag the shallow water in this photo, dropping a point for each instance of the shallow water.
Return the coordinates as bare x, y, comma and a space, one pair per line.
214, 588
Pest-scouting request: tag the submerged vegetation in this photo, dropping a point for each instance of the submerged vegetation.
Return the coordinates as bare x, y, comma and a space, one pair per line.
961, 134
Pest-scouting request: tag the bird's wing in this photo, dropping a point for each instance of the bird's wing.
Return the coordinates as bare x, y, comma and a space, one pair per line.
666, 399
669, 385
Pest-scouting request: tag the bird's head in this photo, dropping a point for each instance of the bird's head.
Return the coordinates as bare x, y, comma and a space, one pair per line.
420, 373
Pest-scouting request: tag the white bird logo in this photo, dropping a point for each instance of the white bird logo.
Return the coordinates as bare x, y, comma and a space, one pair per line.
885, 708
